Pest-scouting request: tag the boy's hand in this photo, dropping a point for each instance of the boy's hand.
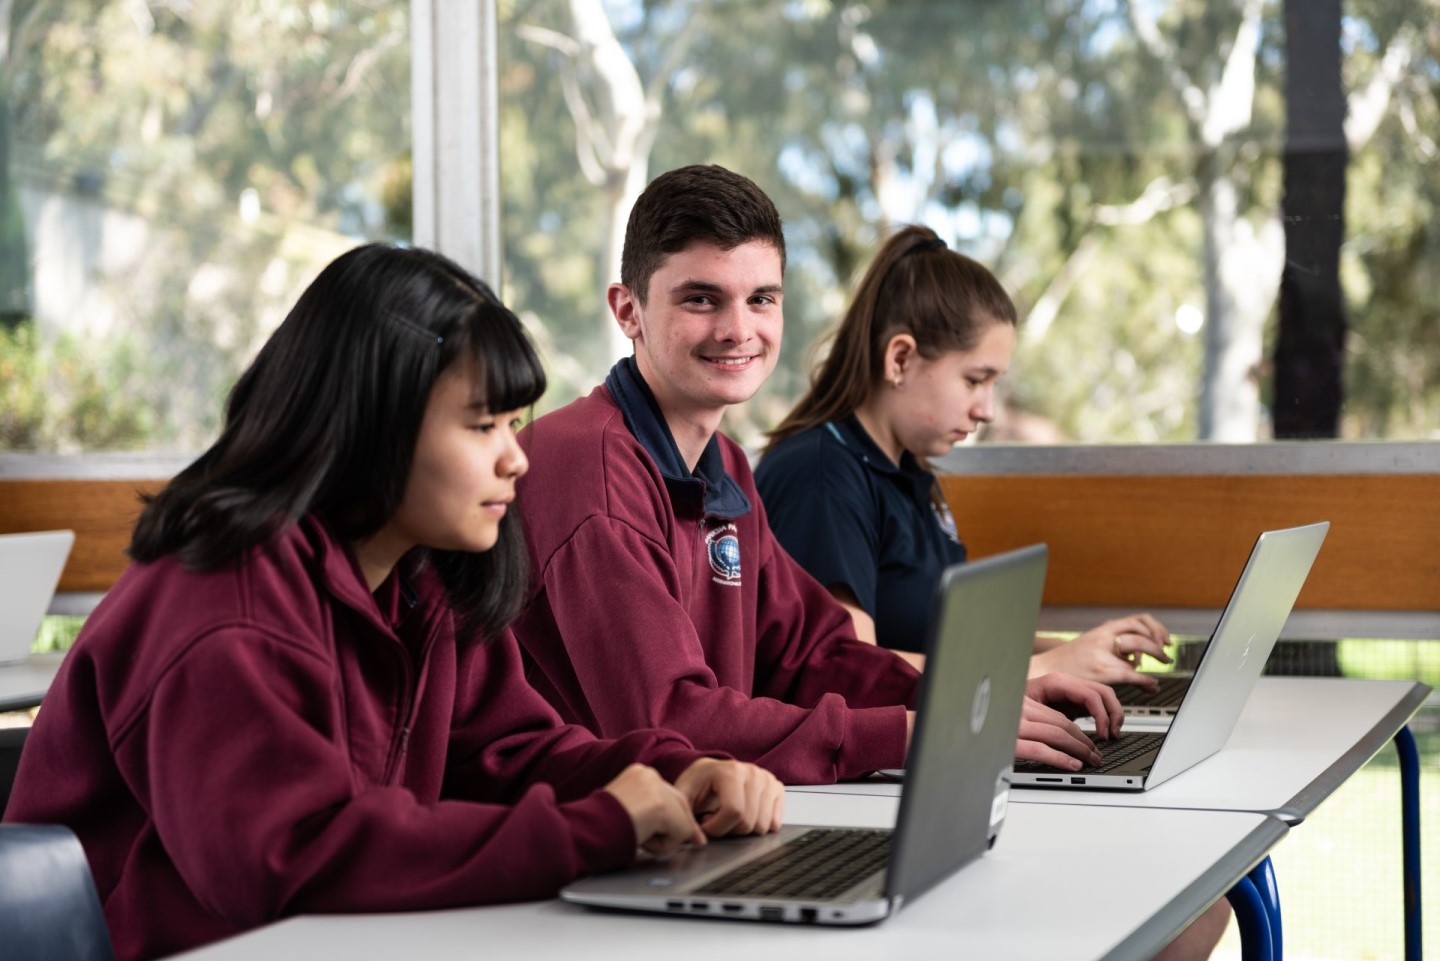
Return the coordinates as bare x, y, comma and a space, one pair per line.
1076, 697
1049, 737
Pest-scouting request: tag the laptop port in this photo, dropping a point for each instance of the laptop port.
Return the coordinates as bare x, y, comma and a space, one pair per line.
674, 905
699, 905
732, 908
1077, 780
772, 914
1051, 780
809, 915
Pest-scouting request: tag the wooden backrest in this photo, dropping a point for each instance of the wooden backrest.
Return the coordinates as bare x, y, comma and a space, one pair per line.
100, 512
1181, 541
1149, 541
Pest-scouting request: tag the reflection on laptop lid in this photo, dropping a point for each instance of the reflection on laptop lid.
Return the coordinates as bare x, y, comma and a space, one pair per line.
982, 627
1227, 672
30, 566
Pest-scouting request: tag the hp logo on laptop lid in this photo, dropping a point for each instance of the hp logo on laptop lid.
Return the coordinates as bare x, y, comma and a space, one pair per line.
980, 706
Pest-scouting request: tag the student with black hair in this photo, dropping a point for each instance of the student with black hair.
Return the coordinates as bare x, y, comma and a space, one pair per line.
302, 696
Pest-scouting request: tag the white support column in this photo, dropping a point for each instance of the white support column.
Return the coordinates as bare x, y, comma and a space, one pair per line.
454, 75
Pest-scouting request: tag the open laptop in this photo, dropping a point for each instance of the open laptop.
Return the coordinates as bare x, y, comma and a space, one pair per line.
1227, 672
1164, 701
982, 625
30, 566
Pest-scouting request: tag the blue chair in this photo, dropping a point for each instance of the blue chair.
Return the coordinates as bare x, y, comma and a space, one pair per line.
49, 910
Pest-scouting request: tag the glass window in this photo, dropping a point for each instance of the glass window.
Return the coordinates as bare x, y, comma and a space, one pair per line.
172, 174
1138, 174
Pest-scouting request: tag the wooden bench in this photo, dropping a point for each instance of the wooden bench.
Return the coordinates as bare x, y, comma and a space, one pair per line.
1177, 541
100, 512
1118, 540
1181, 541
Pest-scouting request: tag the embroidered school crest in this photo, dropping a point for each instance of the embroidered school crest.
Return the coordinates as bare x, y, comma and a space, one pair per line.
723, 547
945, 519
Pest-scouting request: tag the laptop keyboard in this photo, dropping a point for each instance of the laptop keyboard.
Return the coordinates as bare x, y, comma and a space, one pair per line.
1170, 691
1120, 751
817, 865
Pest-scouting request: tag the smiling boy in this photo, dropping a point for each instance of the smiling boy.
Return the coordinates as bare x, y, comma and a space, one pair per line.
660, 596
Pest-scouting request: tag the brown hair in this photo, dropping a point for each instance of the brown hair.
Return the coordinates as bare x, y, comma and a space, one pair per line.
917, 286
704, 202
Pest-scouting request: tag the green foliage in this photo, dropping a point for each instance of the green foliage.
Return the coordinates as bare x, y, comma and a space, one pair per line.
1393, 214
1011, 128
57, 633
254, 140
198, 164
1391, 660
69, 394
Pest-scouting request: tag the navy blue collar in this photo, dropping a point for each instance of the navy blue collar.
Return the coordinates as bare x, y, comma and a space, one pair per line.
722, 496
852, 434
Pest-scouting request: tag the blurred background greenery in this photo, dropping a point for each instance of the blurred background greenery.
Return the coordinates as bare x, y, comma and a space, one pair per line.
172, 174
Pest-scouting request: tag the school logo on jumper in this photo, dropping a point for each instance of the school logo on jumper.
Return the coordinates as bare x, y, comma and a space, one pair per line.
723, 547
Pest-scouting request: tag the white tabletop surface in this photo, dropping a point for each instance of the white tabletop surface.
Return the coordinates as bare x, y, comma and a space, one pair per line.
1297, 740
1038, 894
23, 684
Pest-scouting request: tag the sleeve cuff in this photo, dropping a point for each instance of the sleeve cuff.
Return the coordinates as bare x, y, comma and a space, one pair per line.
874, 739
602, 832
675, 763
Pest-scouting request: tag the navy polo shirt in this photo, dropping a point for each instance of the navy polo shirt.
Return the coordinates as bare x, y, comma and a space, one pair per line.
722, 497
854, 519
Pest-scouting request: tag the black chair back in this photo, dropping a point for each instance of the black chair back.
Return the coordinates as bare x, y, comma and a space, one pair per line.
12, 739
49, 910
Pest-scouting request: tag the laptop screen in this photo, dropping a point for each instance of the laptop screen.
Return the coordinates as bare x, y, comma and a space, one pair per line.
981, 633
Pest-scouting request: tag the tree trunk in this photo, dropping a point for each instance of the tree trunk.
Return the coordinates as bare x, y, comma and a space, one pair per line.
14, 251
1310, 350
1229, 395
621, 192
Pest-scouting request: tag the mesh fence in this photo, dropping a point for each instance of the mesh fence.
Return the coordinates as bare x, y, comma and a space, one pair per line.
1340, 871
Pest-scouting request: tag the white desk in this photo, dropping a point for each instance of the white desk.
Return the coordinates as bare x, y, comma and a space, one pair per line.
1094, 903
22, 685
1297, 740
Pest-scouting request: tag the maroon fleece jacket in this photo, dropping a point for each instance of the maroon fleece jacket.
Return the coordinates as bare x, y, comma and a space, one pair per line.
643, 615
236, 746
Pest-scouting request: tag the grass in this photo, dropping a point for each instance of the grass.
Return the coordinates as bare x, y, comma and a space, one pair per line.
1340, 873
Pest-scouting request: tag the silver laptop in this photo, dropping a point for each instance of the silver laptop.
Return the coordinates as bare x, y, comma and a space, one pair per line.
1228, 669
982, 626
1164, 701
30, 566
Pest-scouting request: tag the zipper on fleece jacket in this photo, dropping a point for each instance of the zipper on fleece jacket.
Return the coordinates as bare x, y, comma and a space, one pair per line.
410, 681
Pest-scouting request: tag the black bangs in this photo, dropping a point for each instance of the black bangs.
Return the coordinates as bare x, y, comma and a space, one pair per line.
507, 369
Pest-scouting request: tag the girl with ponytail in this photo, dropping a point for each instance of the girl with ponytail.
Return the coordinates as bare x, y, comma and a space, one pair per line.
846, 480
